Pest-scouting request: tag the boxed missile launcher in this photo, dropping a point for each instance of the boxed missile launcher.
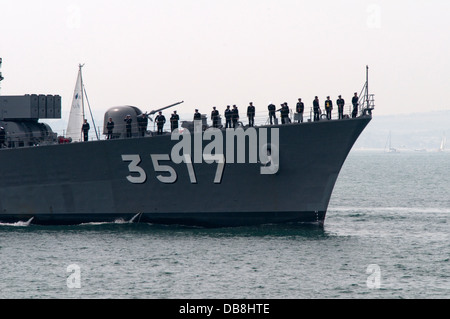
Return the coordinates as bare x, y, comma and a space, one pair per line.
30, 107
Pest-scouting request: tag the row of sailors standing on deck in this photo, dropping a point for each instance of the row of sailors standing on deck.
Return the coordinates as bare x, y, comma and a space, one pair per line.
232, 116
316, 108
329, 107
142, 122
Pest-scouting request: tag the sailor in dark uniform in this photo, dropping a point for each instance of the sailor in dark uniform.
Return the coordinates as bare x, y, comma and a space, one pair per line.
340, 103
284, 113
215, 117
174, 119
128, 120
300, 110
110, 129
228, 117
251, 115
328, 107
355, 102
316, 107
198, 124
2, 137
142, 124
235, 116
197, 116
85, 129
160, 121
272, 115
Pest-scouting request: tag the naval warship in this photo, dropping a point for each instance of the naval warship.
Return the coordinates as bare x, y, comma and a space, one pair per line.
195, 176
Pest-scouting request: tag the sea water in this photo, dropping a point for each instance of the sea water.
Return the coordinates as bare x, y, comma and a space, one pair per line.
386, 236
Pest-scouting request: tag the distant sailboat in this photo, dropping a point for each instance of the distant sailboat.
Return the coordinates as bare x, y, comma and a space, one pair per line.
77, 112
443, 143
388, 148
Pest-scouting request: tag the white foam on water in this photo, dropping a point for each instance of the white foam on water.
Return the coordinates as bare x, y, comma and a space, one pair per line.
119, 221
18, 224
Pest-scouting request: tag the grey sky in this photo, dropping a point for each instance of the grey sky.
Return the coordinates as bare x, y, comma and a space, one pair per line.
212, 53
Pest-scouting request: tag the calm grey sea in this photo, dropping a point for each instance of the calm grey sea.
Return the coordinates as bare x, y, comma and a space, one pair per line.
386, 236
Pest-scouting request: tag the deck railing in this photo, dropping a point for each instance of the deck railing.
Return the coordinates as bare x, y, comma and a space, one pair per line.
261, 119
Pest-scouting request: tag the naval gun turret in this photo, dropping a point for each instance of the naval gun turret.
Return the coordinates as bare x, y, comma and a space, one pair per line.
119, 113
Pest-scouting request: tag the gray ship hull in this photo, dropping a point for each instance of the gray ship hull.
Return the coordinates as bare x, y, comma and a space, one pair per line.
106, 181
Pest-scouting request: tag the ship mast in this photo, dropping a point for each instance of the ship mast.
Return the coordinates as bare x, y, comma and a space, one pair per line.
367, 100
367, 88
82, 91
83, 94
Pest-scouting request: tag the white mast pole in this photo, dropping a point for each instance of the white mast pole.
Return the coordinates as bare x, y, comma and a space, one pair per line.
367, 87
82, 91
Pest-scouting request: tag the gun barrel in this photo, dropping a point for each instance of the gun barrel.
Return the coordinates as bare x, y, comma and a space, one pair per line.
165, 108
